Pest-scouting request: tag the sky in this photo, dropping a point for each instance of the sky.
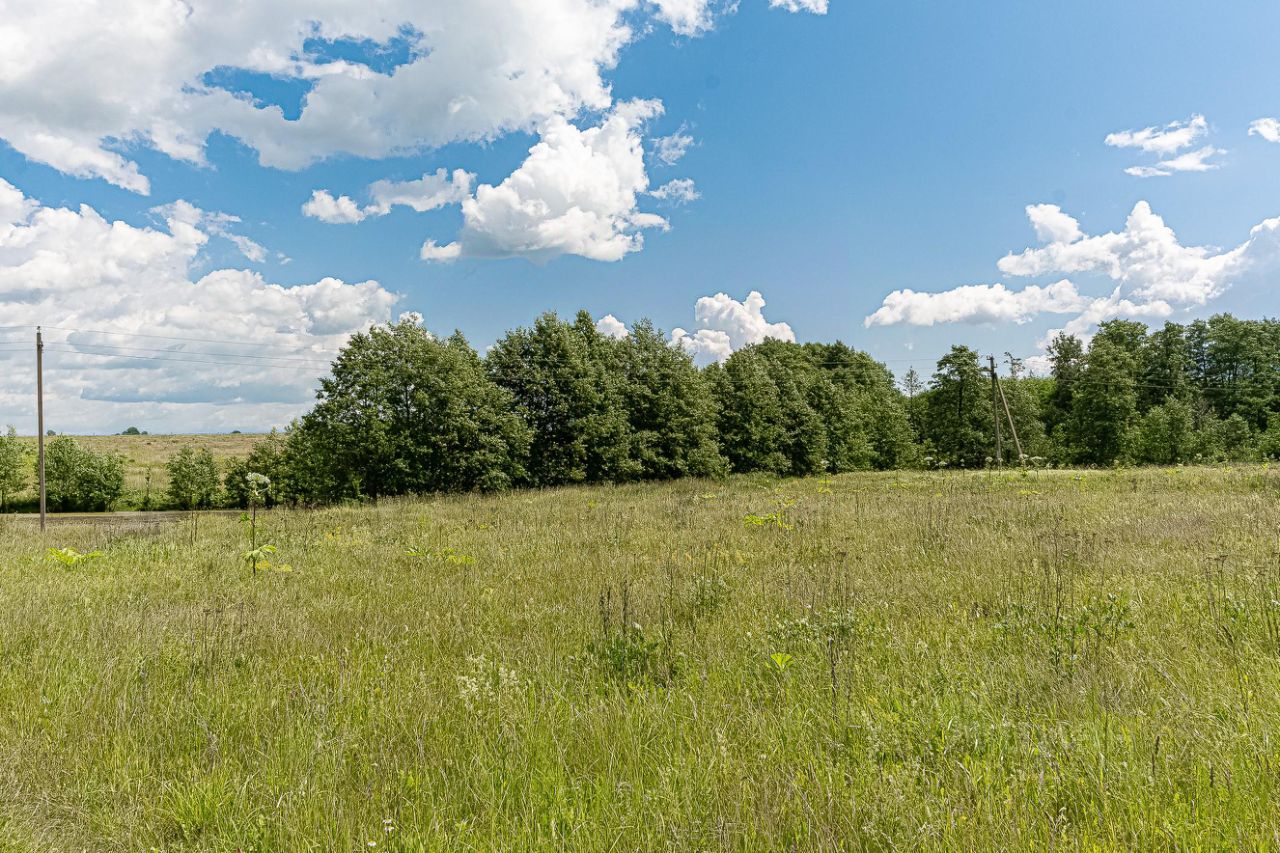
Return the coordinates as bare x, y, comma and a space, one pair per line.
201, 203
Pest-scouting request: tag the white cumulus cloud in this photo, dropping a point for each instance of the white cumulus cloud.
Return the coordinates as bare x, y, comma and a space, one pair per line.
817, 7
977, 303
1192, 161
324, 206
679, 191
82, 82
1267, 128
611, 327
671, 149
1164, 140
1146, 257
76, 270
575, 194
431, 191
1152, 271
727, 325
1052, 225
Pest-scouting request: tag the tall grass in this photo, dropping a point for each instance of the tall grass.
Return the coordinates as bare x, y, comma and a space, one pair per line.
901, 660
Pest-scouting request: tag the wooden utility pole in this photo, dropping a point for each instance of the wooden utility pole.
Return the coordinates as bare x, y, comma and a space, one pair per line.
995, 411
1012, 428
40, 418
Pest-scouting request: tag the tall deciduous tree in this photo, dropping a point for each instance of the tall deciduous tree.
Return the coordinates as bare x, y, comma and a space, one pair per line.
13, 468
669, 409
959, 410
405, 412
571, 401
1105, 403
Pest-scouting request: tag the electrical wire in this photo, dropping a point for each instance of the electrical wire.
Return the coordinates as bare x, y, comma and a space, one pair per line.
157, 337
194, 352
222, 363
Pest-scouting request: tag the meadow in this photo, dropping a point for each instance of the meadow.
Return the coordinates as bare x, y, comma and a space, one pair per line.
980, 660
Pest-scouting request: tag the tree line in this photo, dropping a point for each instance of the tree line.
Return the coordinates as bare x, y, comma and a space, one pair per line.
558, 403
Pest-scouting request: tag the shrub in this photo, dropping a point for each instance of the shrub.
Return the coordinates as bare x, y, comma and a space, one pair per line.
193, 479
79, 480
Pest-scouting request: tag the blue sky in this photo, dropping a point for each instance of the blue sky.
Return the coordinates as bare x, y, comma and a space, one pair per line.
837, 158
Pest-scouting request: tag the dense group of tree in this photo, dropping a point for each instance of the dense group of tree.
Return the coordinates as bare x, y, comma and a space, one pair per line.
405, 412
559, 403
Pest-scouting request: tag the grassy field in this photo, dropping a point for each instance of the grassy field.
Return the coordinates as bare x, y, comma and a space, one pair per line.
1061, 660
146, 455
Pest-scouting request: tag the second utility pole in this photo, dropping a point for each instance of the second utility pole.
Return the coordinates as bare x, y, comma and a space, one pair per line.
995, 412
40, 419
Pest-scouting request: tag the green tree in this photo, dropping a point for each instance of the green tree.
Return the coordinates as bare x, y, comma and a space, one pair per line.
1023, 395
1066, 359
669, 409
877, 413
1165, 435
568, 397
13, 468
193, 479
79, 480
1269, 441
751, 419
1242, 374
286, 459
817, 413
1166, 367
959, 410
1234, 436
405, 412
1105, 403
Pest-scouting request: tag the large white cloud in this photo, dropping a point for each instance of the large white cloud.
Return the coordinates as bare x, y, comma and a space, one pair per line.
87, 276
727, 325
83, 81
574, 194
977, 303
1151, 271
1146, 257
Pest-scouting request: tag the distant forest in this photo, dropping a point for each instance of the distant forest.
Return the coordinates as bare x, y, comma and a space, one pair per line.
405, 412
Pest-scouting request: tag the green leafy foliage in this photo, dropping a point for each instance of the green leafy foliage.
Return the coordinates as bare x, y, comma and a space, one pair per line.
193, 479
70, 557
405, 412
13, 467
564, 389
669, 409
79, 480
559, 403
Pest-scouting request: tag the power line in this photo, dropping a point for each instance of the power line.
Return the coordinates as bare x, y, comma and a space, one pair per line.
179, 360
197, 352
156, 337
